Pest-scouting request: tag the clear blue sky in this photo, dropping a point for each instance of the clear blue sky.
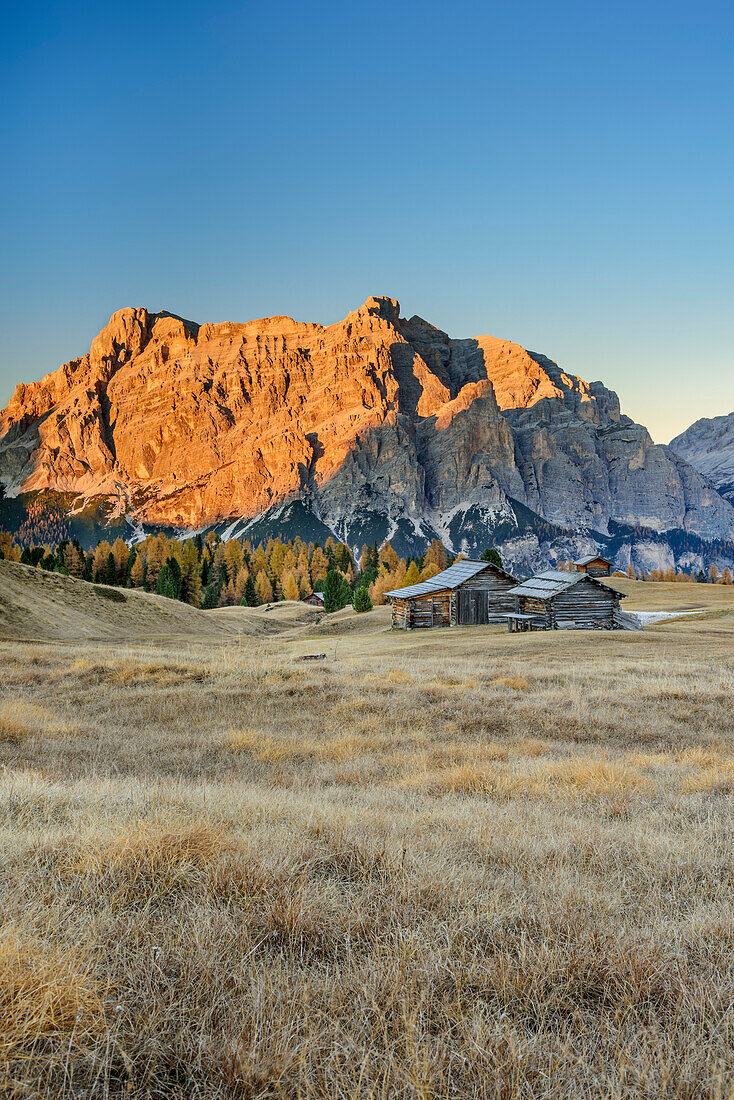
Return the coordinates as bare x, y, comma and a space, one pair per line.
560, 174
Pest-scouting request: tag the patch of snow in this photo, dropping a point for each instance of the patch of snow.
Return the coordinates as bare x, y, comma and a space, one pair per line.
649, 618
392, 529
229, 531
138, 533
417, 526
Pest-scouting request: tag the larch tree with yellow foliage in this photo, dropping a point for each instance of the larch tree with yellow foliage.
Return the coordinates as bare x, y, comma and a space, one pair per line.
289, 585
412, 575
263, 587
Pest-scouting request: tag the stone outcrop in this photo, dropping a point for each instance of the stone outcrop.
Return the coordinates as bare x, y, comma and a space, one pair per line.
375, 424
708, 445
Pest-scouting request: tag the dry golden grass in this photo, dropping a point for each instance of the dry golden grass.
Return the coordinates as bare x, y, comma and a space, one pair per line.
20, 720
48, 1000
461, 864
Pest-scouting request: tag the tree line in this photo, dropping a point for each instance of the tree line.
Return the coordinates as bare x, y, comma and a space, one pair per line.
208, 572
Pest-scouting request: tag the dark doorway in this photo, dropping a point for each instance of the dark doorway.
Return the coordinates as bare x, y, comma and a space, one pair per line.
473, 607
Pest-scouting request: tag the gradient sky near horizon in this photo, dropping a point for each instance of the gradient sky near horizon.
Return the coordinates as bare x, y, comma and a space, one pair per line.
557, 174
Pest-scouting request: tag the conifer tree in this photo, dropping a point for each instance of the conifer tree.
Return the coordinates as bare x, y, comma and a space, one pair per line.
319, 566
211, 597
88, 567
343, 558
258, 559
412, 575
239, 584
121, 554
227, 595
249, 596
428, 571
233, 558
290, 586
173, 565
155, 556
336, 591
99, 566
110, 571
263, 587
388, 557
190, 574
137, 571
435, 555
206, 562
362, 601
169, 579
491, 555
132, 557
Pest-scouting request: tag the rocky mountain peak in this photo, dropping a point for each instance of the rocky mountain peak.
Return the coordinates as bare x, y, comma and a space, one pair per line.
709, 446
375, 423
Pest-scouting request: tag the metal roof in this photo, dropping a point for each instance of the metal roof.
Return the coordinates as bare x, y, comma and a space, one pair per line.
452, 577
546, 585
592, 557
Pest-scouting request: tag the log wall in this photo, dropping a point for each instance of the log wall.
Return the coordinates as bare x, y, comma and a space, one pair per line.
585, 605
422, 611
527, 605
482, 599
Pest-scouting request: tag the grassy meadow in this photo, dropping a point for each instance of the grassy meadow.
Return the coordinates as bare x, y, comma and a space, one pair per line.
454, 863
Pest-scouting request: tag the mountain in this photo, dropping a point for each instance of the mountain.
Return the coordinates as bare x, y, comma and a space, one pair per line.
709, 446
372, 427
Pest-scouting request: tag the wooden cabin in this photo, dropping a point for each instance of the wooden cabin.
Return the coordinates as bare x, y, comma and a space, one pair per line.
557, 600
594, 565
467, 593
316, 599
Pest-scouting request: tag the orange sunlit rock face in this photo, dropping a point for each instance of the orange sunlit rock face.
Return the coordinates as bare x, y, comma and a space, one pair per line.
188, 424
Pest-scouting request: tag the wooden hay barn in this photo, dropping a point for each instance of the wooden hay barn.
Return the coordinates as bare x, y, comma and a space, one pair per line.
594, 565
316, 599
557, 600
467, 593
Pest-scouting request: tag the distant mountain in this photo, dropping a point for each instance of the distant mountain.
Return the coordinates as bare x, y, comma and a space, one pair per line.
709, 446
374, 427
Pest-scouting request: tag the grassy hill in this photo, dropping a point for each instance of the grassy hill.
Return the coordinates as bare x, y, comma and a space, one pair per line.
37, 605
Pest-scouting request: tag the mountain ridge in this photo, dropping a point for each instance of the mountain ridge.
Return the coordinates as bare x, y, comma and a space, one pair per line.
708, 445
374, 423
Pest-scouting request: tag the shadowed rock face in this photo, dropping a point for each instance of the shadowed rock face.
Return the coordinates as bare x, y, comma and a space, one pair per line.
708, 445
190, 425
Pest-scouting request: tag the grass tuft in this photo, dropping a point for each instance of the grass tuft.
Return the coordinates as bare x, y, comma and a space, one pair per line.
45, 995
20, 720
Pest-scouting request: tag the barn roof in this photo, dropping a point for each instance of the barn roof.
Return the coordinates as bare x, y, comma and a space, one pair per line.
546, 585
592, 557
452, 577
